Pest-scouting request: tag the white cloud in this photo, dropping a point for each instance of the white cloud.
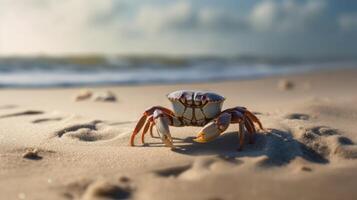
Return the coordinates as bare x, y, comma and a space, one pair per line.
267, 15
286, 16
181, 16
221, 20
110, 26
49, 26
348, 22
155, 19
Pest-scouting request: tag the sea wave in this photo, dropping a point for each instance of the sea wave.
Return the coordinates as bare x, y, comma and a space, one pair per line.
111, 70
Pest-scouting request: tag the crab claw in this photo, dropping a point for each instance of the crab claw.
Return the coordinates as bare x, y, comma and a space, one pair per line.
207, 133
162, 126
213, 129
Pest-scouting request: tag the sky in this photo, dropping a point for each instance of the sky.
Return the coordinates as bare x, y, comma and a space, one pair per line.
296, 28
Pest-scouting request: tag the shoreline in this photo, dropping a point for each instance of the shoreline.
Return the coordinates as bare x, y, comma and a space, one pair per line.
49, 78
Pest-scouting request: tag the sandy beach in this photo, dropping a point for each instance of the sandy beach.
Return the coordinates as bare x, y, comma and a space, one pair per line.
53, 147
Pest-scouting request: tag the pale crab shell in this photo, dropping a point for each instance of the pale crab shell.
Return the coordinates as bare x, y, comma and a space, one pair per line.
196, 107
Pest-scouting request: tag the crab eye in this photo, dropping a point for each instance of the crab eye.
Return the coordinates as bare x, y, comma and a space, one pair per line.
197, 100
203, 99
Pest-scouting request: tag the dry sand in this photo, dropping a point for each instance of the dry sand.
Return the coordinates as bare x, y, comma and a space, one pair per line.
52, 147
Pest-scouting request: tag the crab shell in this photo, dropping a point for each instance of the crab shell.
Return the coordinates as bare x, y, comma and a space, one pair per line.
195, 108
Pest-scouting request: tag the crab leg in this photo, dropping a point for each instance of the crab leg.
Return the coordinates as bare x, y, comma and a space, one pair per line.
148, 113
251, 129
241, 135
246, 113
151, 126
138, 126
254, 118
249, 120
162, 123
146, 128
162, 118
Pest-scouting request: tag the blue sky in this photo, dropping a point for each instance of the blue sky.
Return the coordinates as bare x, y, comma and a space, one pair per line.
309, 28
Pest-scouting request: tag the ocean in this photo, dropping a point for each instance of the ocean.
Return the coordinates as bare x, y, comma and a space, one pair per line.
97, 70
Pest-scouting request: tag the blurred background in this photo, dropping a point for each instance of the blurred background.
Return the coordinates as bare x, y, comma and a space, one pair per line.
46, 43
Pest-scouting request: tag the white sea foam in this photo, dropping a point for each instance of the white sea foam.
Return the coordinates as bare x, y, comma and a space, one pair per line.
36, 72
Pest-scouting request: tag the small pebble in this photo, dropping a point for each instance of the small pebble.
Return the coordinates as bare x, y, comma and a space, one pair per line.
285, 85
124, 179
306, 169
31, 154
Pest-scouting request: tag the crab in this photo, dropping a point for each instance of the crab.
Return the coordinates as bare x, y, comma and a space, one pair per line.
196, 108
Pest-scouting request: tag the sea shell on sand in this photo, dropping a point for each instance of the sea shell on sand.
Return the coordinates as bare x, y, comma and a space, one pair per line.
83, 95
107, 96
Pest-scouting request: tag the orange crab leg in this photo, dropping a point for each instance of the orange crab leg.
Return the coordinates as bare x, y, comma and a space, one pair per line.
254, 118
138, 126
151, 127
146, 128
149, 123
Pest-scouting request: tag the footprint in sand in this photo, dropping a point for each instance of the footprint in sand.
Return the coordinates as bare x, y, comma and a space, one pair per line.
8, 107
44, 120
173, 171
323, 131
98, 189
200, 168
297, 116
318, 133
329, 142
96, 130
23, 113
28, 113
104, 189
280, 148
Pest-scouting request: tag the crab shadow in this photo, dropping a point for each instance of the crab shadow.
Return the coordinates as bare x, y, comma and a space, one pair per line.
278, 148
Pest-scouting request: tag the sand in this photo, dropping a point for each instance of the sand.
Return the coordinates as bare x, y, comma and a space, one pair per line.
53, 147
